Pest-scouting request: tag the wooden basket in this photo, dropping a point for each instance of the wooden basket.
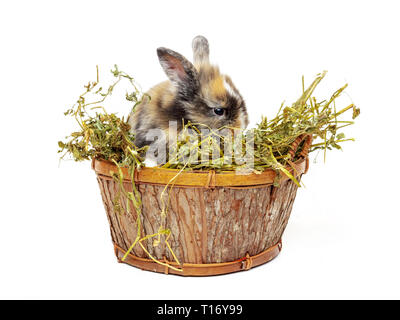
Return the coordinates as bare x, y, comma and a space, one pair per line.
220, 222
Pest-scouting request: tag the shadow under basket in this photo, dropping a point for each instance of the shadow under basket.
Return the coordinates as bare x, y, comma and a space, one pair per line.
220, 222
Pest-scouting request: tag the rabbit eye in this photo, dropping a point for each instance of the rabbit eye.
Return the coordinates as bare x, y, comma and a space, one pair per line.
219, 111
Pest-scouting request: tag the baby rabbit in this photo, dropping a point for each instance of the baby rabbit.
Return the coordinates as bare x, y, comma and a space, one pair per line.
197, 93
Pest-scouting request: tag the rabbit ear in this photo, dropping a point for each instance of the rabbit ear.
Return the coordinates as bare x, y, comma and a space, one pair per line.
201, 50
180, 71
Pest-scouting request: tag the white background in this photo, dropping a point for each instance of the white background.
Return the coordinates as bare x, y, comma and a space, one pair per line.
343, 237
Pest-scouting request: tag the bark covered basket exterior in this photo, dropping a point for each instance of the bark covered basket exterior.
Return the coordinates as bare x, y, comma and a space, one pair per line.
220, 222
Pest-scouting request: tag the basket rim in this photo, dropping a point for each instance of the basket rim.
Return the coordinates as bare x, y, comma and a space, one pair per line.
197, 178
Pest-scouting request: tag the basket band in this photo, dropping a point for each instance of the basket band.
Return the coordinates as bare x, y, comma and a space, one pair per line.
191, 269
200, 179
